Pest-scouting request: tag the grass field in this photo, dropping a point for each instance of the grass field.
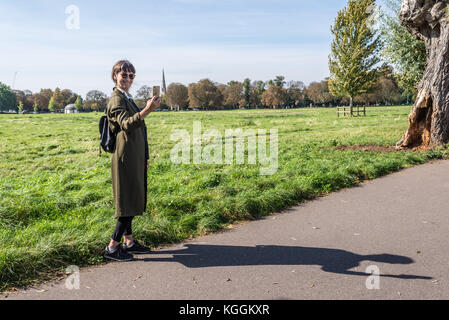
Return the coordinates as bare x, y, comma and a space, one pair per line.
56, 204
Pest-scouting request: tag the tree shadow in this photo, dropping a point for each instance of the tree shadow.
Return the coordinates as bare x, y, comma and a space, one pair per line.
331, 260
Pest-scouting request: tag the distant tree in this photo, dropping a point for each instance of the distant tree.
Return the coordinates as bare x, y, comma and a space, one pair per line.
275, 96
35, 99
318, 93
95, 100
28, 104
20, 96
247, 92
230, 83
58, 99
20, 106
233, 95
279, 81
388, 91
68, 97
257, 90
221, 88
35, 107
296, 84
7, 98
164, 104
51, 105
79, 104
38, 101
204, 95
295, 93
313, 92
177, 95
44, 98
353, 58
24, 97
145, 93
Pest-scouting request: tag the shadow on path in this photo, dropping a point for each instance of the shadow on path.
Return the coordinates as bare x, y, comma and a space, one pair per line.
331, 260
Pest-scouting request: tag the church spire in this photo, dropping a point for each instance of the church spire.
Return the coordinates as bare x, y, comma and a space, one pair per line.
164, 87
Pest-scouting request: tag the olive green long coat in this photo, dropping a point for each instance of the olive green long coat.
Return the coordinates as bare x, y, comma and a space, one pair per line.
128, 163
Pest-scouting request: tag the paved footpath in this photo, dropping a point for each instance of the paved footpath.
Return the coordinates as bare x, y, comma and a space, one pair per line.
321, 249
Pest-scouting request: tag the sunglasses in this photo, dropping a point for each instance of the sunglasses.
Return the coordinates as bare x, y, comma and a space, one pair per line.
130, 75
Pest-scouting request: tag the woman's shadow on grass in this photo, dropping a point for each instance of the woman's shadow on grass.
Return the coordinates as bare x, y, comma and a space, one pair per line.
330, 260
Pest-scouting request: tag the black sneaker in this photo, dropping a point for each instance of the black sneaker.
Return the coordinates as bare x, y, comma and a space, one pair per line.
118, 255
136, 248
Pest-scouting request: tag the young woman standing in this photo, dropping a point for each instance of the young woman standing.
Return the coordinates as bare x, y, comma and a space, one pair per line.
129, 162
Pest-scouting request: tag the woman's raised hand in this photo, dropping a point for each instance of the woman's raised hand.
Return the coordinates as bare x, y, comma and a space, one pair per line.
152, 105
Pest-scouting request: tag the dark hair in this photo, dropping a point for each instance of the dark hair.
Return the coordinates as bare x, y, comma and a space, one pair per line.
122, 65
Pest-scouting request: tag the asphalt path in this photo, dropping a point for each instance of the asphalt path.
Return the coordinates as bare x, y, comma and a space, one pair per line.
383, 239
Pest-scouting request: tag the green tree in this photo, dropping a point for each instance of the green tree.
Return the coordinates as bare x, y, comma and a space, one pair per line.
401, 49
20, 106
257, 90
58, 99
7, 98
354, 51
279, 81
79, 104
68, 97
51, 105
35, 107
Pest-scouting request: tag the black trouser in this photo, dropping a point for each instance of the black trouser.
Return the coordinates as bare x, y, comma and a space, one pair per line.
123, 227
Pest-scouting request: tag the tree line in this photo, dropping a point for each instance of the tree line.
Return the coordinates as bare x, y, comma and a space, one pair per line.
209, 95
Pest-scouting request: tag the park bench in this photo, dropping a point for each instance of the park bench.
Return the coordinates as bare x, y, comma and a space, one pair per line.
354, 112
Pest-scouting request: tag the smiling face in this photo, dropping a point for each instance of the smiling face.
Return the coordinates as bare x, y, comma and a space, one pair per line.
123, 74
124, 80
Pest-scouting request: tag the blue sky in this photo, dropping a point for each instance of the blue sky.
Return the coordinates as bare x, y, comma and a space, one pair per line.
191, 39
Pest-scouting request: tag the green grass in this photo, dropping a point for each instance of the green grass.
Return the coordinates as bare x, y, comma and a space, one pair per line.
56, 205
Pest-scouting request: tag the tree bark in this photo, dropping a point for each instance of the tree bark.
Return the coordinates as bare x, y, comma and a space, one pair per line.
429, 117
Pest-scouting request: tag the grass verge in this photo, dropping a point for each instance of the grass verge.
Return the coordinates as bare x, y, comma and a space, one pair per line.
56, 204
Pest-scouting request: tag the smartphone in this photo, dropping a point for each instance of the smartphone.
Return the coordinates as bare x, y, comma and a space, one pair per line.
156, 91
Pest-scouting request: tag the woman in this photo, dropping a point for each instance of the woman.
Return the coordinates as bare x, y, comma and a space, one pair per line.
129, 161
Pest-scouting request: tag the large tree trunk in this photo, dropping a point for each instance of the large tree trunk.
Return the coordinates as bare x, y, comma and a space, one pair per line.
429, 117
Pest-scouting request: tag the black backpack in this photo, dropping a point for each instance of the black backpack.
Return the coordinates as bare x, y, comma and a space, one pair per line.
107, 136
